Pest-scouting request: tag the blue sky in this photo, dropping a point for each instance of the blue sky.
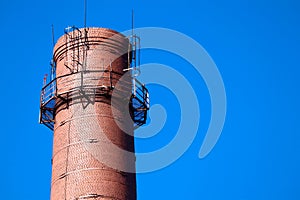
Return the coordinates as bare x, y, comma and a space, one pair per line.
255, 45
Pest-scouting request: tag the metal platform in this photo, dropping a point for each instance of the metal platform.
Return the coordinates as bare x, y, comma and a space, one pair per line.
51, 99
140, 104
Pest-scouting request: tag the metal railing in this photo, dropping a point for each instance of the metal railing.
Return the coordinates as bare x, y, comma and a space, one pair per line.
140, 103
50, 92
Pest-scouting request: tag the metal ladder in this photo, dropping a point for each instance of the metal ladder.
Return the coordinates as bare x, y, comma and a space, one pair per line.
73, 38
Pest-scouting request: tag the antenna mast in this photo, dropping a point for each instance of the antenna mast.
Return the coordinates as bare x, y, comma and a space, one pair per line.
52, 63
85, 12
53, 42
132, 22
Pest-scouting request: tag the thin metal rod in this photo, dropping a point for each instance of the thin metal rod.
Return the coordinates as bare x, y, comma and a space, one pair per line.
132, 22
53, 42
52, 60
85, 12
